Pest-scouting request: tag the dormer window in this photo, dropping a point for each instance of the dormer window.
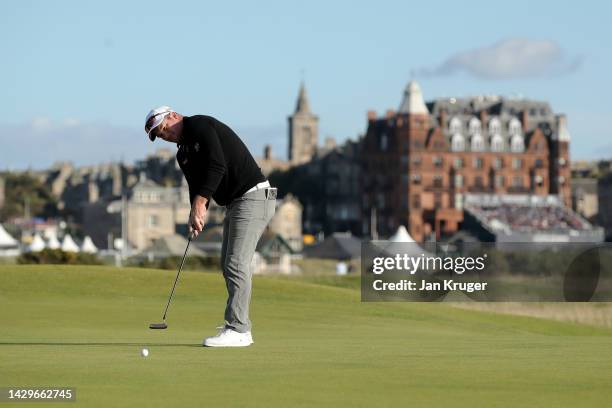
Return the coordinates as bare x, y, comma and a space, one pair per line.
477, 143
494, 126
517, 144
458, 142
474, 126
497, 143
454, 125
514, 127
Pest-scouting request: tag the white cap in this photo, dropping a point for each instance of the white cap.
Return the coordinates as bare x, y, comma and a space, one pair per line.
155, 118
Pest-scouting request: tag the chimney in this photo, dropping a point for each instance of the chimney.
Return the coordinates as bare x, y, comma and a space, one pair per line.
330, 143
371, 115
267, 152
524, 120
389, 114
563, 134
484, 118
442, 116
93, 192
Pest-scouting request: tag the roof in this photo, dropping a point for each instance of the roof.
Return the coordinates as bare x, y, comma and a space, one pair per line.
302, 102
271, 243
338, 246
401, 235
6, 240
172, 245
413, 100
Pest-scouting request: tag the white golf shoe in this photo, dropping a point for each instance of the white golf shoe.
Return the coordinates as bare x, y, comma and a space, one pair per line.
229, 338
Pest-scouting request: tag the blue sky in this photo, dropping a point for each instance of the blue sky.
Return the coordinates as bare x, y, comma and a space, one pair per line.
79, 77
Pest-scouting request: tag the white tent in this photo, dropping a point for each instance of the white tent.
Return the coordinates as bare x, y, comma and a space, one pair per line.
402, 243
401, 235
6, 240
9, 246
88, 246
53, 242
68, 244
37, 244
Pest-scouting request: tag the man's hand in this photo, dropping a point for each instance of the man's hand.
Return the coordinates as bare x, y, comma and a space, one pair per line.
197, 216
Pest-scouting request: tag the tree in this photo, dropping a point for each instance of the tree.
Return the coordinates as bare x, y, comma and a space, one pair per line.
26, 192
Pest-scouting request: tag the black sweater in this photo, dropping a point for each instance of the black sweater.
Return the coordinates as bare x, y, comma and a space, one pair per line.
214, 160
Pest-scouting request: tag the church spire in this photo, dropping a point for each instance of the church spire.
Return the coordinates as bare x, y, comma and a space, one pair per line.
302, 102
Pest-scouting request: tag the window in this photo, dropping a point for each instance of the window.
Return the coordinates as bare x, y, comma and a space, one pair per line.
538, 180
517, 181
514, 127
539, 163
517, 145
404, 162
478, 181
477, 143
458, 142
499, 181
416, 161
153, 220
458, 164
498, 163
494, 126
437, 161
416, 179
497, 143
437, 181
384, 142
474, 126
458, 180
438, 200
517, 163
416, 201
454, 125
478, 163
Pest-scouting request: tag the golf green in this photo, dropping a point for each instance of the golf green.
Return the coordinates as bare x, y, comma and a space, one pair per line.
315, 345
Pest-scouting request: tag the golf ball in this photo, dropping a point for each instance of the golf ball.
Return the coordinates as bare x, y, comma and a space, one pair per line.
144, 352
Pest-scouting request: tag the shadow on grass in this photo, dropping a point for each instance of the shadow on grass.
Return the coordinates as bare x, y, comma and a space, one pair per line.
85, 343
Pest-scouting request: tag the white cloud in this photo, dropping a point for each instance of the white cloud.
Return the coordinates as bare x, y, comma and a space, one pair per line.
509, 59
42, 141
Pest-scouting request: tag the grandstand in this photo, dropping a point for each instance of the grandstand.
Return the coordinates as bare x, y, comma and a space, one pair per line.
525, 218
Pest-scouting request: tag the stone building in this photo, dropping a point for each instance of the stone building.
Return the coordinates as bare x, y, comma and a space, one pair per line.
267, 163
287, 221
418, 162
154, 211
584, 197
604, 204
303, 131
328, 189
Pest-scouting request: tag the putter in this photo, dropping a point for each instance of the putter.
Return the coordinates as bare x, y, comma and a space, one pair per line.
163, 325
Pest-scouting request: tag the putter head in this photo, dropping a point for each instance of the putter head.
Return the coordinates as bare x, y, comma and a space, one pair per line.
158, 326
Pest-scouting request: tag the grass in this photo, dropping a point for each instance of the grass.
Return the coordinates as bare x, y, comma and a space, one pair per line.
315, 345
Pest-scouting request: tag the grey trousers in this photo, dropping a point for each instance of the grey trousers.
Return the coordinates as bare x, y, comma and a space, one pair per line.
245, 221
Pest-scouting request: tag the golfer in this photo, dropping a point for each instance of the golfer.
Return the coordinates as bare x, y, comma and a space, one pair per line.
217, 165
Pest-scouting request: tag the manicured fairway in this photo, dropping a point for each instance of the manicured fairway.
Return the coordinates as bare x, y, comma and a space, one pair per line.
315, 345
